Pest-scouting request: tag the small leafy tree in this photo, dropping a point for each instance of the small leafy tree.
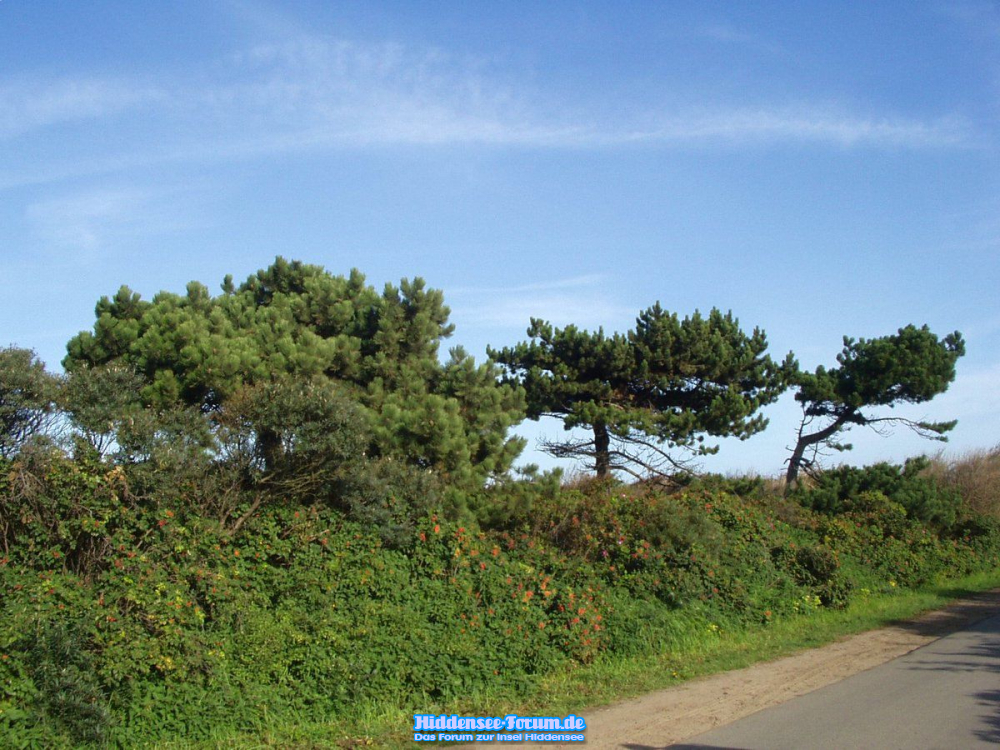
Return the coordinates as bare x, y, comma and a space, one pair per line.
102, 402
664, 385
28, 395
911, 366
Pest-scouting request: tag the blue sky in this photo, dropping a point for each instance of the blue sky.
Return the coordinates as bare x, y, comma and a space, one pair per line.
821, 169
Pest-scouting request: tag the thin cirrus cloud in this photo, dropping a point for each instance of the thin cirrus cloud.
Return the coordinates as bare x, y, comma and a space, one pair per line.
28, 105
87, 223
315, 93
808, 123
344, 93
578, 300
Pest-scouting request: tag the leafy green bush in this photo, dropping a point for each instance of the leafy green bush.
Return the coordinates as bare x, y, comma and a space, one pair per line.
748, 486
817, 568
974, 475
509, 503
27, 398
892, 548
132, 618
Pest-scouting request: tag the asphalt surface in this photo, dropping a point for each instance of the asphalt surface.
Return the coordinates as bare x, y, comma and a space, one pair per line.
943, 695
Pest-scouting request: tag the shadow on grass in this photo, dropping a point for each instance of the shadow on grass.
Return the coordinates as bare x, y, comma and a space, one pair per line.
975, 607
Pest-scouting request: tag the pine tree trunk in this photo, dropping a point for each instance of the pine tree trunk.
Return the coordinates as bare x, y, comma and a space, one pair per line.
602, 450
271, 448
795, 462
792, 475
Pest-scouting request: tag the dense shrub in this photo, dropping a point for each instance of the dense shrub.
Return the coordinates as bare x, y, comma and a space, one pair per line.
922, 497
132, 617
508, 504
750, 486
279, 507
817, 568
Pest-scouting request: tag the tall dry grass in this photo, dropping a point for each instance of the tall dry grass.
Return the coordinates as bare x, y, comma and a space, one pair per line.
975, 475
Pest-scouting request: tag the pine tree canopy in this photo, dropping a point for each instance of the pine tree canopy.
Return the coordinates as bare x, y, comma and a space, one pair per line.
297, 321
665, 384
911, 366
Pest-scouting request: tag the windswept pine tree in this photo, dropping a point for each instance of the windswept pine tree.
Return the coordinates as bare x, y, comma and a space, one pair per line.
660, 387
909, 367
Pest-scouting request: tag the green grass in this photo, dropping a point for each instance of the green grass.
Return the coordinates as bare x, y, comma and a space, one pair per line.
695, 649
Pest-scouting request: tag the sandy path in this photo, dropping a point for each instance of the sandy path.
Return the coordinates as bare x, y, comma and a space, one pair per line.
675, 714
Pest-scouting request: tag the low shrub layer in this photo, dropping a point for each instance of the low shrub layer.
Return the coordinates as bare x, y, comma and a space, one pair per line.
129, 618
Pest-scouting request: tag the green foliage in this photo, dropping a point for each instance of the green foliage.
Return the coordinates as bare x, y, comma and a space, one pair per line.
888, 550
747, 487
978, 533
693, 549
296, 321
294, 435
509, 503
668, 382
702, 374
921, 497
131, 619
68, 690
103, 402
389, 497
975, 475
279, 508
27, 398
911, 366
817, 567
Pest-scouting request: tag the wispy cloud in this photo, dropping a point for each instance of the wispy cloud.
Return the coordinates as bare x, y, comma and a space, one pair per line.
580, 300
339, 92
348, 94
312, 93
587, 280
27, 105
84, 224
807, 123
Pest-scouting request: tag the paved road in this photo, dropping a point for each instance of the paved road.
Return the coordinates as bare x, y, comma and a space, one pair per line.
944, 695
